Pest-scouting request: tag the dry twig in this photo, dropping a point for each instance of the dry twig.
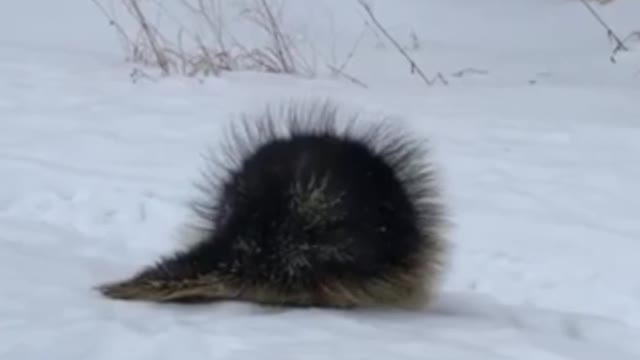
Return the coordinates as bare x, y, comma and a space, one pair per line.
142, 20
620, 45
414, 67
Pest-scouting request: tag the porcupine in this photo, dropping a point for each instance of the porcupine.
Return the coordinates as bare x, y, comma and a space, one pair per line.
303, 213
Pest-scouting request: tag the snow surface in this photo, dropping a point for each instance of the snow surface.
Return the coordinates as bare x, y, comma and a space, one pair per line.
538, 153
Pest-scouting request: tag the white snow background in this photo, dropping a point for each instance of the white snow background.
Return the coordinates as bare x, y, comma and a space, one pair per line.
539, 152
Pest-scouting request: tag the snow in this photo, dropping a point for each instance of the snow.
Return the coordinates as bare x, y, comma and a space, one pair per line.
537, 154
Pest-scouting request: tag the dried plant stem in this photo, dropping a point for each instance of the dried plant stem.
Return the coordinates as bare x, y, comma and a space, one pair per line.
160, 57
414, 66
353, 79
112, 21
620, 46
351, 54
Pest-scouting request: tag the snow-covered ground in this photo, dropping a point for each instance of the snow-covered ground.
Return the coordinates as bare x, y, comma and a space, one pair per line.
538, 153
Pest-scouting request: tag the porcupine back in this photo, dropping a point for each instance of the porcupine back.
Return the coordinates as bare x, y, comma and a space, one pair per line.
307, 213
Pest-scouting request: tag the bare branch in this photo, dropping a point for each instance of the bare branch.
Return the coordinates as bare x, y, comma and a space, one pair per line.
351, 53
620, 46
414, 66
162, 60
353, 79
123, 34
